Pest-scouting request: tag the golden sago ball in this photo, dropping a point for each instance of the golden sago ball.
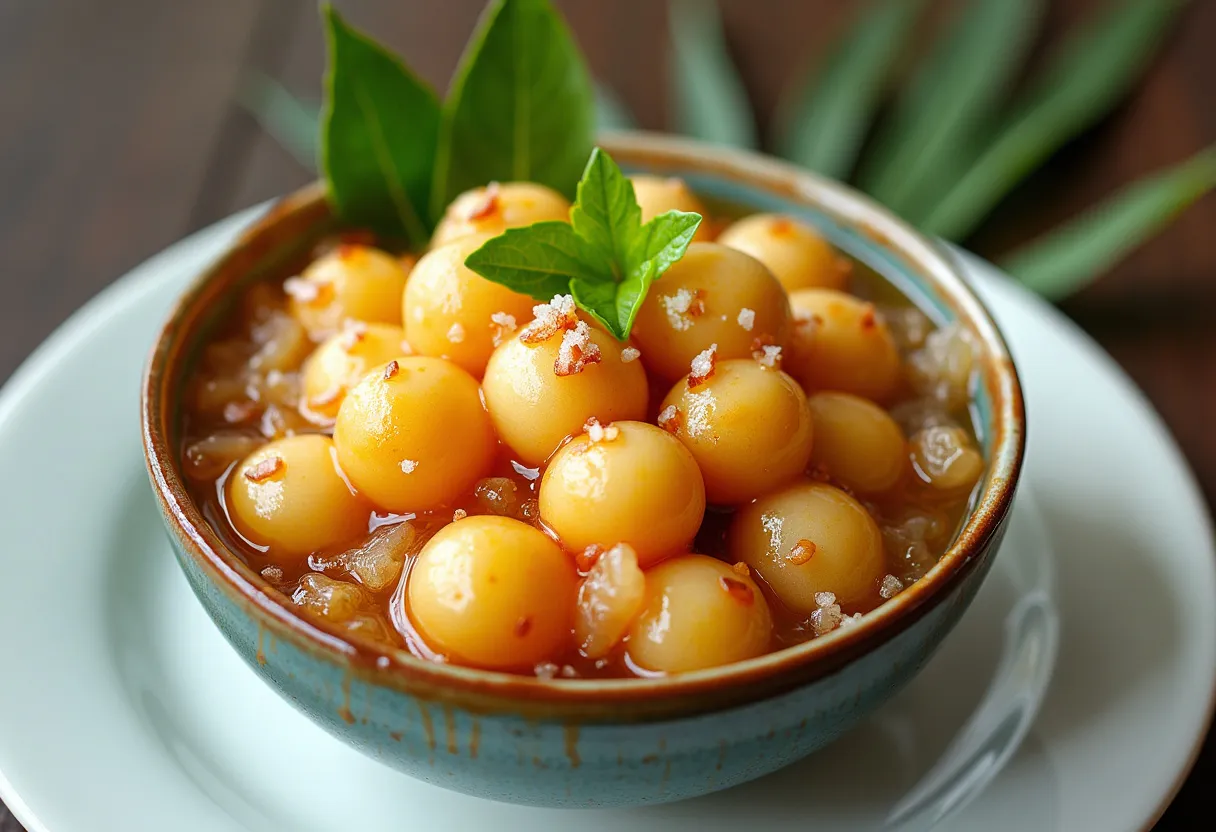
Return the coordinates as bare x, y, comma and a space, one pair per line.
660, 194
345, 357
698, 613
351, 282
498, 206
452, 312
747, 425
412, 435
493, 592
810, 538
291, 495
636, 484
713, 295
857, 442
793, 252
536, 402
841, 343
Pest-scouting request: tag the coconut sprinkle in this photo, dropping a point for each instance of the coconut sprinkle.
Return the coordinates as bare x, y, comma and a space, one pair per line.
740, 568
265, 469
577, 351
630, 354
408, 466
600, 433
827, 615
352, 333
456, 333
550, 318
890, 587
703, 366
747, 318
503, 325
769, 356
670, 419
304, 291
682, 307
459, 514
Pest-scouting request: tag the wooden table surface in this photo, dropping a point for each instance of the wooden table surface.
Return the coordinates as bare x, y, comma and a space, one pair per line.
119, 135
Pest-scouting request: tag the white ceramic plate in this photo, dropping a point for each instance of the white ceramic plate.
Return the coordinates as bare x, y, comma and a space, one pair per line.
121, 706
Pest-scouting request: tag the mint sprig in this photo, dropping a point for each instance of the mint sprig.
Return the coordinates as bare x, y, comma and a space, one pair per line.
606, 257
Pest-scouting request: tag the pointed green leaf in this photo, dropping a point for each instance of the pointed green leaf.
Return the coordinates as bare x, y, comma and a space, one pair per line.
1093, 71
378, 137
521, 106
539, 259
823, 119
610, 112
952, 96
710, 102
292, 122
1064, 260
606, 213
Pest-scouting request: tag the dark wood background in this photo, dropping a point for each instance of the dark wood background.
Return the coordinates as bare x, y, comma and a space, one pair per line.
119, 135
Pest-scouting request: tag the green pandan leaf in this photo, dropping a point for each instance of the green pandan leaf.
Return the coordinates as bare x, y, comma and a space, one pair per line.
953, 95
824, 118
1064, 260
380, 126
1092, 72
291, 121
605, 257
521, 106
709, 99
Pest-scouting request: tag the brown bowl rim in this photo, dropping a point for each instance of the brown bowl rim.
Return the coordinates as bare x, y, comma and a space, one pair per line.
613, 700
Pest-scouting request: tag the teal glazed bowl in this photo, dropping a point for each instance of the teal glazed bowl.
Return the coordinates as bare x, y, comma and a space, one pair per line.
564, 742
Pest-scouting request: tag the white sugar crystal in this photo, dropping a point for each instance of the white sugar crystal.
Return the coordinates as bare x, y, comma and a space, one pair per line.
770, 356
703, 363
890, 587
825, 599
576, 351
503, 325
456, 333
772, 524
408, 466
630, 354
459, 514
677, 306
747, 318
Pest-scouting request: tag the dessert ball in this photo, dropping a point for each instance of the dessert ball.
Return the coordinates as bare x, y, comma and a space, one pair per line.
713, 295
811, 538
413, 435
636, 485
748, 426
352, 282
493, 592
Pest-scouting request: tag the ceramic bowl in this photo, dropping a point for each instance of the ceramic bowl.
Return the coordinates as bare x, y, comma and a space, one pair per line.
603, 742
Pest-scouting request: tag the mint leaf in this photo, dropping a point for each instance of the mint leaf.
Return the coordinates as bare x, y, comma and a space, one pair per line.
605, 257
521, 105
378, 138
539, 260
606, 213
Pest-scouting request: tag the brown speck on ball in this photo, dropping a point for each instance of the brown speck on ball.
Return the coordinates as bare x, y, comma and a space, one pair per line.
391, 369
802, 552
869, 318
523, 626
671, 419
738, 590
265, 469
741, 568
487, 206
